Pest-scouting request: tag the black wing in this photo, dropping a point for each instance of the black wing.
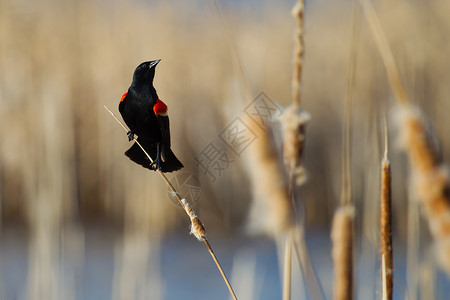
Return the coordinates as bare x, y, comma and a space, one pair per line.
165, 132
122, 102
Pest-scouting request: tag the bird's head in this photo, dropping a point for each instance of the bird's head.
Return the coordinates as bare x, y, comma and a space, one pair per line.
145, 72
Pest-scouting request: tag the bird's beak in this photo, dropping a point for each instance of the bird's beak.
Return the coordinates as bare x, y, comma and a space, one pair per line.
153, 63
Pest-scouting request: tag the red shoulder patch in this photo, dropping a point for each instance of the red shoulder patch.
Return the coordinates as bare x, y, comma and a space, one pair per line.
160, 108
123, 96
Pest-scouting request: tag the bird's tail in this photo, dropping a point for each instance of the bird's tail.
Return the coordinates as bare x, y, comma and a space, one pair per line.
171, 163
136, 154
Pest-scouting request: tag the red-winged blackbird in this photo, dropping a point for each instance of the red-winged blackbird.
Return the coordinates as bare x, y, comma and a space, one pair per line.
146, 116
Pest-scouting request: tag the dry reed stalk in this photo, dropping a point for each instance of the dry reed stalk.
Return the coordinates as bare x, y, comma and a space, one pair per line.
293, 122
347, 128
238, 66
197, 228
383, 279
287, 272
342, 227
386, 227
342, 252
297, 12
272, 209
385, 51
430, 178
315, 290
294, 119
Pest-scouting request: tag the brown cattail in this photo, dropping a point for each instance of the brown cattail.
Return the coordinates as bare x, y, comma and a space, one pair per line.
294, 122
272, 209
386, 229
430, 178
342, 252
197, 228
297, 12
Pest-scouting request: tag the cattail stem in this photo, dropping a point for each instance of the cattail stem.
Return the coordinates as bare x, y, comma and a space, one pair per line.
348, 112
385, 52
197, 227
431, 179
315, 290
287, 266
297, 12
216, 261
383, 279
386, 227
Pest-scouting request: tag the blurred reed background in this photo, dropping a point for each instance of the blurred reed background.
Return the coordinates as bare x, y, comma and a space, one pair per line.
80, 221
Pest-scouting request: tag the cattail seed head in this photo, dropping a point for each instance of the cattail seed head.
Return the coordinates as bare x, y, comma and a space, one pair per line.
429, 177
342, 252
294, 122
272, 209
297, 13
386, 228
197, 228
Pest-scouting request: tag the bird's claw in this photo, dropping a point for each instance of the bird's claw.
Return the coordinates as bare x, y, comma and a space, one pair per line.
155, 165
130, 135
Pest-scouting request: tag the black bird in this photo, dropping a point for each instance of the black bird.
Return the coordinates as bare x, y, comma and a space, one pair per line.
146, 116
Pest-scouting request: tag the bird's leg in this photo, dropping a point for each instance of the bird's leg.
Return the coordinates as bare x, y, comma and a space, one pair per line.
156, 164
130, 135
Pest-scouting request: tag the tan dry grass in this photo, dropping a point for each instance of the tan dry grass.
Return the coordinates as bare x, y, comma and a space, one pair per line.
91, 53
86, 51
430, 179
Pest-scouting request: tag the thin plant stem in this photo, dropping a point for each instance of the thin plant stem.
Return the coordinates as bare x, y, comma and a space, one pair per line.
297, 12
385, 52
294, 122
313, 285
228, 34
287, 278
383, 278
347, 134
342, 234
200, 232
